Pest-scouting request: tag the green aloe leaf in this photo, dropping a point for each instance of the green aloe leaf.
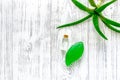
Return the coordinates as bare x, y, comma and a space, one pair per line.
74, 53
81, 6
92, 3
76, 22
110, 21
96, 25
110, 26
100, 9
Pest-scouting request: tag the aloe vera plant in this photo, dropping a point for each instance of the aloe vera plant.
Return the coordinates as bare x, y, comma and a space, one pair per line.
95, 13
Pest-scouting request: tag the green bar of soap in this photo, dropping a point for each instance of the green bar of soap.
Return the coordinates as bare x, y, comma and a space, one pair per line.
74, 53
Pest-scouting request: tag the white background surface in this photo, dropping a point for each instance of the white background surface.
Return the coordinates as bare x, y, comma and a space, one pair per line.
30, 42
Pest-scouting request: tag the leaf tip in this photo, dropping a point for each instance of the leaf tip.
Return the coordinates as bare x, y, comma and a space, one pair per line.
58, 27
105, 38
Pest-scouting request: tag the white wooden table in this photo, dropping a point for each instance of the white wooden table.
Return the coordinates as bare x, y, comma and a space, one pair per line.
30, 42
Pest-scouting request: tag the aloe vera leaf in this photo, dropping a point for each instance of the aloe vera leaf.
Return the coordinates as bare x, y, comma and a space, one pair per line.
110, 26
100, 9
76, 22
110, 21
96, 25
74, 53
92, 3
81, 6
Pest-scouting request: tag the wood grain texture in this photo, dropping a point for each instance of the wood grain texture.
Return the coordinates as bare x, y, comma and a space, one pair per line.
30, 43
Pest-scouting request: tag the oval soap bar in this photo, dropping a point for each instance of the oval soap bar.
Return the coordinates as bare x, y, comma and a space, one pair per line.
74, 53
